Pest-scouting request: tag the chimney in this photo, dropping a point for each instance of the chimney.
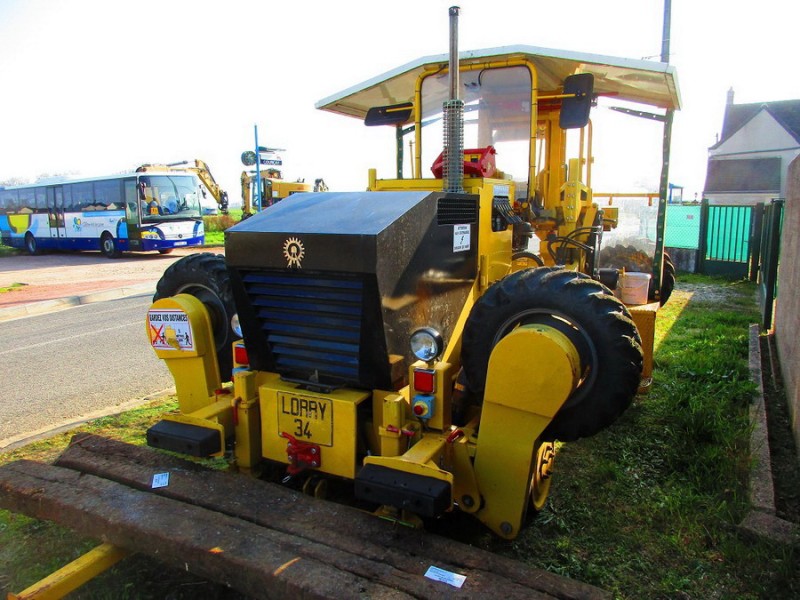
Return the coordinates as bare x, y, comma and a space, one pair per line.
730, 97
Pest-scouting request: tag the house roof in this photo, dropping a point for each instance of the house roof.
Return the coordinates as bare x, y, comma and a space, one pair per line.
785, 112
748, 175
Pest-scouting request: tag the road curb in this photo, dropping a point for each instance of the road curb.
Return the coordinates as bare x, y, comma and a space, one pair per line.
761, 521
47, 306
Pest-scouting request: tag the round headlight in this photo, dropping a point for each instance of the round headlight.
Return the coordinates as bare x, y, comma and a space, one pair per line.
427, 344
235, 325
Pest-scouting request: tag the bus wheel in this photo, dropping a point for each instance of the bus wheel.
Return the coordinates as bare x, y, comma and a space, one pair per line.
205, 276
30, 244
108, 246
166, 251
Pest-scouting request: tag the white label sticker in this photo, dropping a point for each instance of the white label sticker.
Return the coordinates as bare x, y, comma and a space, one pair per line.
170, 330
447, 577
160, 480
461, 238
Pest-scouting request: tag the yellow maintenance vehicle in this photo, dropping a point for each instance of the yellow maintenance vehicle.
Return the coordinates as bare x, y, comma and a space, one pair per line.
406, 337
425, 342
199, 168
273, 187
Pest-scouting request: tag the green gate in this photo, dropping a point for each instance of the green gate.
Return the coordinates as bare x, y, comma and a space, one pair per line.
725, 233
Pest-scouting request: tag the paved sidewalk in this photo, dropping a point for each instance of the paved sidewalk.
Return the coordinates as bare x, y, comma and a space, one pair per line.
58, 302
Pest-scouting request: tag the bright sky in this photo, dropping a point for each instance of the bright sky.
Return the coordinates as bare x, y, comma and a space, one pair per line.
93, 87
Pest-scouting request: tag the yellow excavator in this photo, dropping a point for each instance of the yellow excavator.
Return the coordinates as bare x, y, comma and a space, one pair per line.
273, 187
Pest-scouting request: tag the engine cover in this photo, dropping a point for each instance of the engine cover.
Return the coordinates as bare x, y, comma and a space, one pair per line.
329, 286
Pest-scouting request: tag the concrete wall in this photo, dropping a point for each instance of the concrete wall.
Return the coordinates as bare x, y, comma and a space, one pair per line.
787, 309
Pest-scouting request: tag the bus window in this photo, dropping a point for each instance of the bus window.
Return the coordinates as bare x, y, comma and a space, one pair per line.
82, 197
8, 201
107, 195
41, 200
27, 201
131, 204
67, 194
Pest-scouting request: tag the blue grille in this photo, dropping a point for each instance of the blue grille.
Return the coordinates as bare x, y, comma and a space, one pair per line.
312, 324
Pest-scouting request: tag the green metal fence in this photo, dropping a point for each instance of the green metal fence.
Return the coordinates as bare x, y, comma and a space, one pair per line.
725, 240
683, 226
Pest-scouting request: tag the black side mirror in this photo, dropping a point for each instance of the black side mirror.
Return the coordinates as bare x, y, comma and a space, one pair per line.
397, 114
575, 109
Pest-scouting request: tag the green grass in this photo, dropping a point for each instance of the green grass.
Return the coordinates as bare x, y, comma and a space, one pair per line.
6, 251
12, 287
646, 509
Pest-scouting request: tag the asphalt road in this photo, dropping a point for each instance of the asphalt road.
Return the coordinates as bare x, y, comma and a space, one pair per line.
76, 364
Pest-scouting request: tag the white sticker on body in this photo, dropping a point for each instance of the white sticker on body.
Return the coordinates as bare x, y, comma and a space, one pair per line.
170, 330
461, 238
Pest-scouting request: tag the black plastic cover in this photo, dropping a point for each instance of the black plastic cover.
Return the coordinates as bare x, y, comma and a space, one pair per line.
184, 438
424, 496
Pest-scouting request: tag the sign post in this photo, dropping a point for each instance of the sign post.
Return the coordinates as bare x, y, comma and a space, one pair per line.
258, 173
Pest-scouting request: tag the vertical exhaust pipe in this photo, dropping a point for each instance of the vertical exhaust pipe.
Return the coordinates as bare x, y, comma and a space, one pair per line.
453, 111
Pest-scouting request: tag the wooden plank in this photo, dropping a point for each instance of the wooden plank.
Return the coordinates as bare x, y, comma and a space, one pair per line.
257, 561
318, 521
259, 526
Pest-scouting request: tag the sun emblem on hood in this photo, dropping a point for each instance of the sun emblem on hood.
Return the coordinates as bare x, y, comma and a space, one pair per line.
294, 252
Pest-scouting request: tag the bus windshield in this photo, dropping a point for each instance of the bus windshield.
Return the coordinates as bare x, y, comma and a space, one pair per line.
168, 197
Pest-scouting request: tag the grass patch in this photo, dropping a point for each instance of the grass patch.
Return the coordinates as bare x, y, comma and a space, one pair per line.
6, 251
645, 509
216, 225
13, 287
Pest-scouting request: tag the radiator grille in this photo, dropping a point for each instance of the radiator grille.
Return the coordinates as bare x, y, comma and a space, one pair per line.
312, 324
456, 210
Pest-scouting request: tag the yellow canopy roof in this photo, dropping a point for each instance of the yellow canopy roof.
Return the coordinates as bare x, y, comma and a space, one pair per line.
647, 82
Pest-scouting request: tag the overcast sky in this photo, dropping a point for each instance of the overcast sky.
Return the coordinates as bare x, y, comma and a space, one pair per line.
93, 87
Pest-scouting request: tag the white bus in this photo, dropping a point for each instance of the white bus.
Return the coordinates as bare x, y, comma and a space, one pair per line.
130, 212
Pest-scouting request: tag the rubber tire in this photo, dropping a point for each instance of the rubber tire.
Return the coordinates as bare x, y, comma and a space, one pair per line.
30, 244
108, 246
667, 279
166, 251
600, 327
205, 276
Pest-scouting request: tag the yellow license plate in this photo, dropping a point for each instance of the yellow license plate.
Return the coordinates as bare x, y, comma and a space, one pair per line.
306, 418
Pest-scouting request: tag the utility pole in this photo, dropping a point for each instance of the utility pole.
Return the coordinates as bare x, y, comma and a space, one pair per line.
658, 261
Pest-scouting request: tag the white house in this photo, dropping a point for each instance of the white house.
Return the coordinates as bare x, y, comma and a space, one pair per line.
749, 163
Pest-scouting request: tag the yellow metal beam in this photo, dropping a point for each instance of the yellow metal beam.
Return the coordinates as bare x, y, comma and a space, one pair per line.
75, 574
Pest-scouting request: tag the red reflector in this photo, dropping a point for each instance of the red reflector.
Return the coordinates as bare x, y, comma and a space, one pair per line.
240, 355
424, 381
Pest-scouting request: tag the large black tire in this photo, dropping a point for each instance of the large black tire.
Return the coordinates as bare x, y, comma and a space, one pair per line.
205, 277
667, 279
598, 325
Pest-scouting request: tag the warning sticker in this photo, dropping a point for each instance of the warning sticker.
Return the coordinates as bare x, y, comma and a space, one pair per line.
461, 238
170, 330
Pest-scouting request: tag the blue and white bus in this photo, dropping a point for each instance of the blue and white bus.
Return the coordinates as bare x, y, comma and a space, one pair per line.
130, 212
